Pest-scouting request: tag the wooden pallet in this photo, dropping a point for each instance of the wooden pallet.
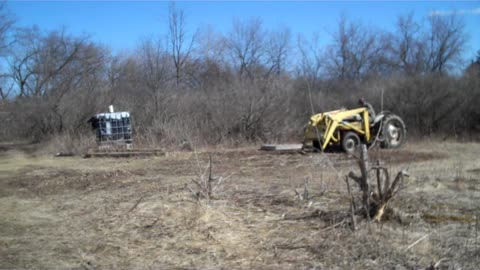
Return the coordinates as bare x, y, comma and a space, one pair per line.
281, 147
123, 153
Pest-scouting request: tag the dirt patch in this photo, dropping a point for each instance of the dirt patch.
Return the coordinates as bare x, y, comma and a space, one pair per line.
42, 181
386, 155
24, 147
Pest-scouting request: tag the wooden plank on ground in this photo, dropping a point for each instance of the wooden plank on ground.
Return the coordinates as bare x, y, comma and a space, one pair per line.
281, 147
124, 154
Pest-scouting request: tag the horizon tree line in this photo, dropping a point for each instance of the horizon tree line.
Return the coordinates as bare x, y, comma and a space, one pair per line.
251, 83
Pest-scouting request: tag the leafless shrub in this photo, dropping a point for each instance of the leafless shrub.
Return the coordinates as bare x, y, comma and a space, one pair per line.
205, 184
304, 195
70, 144
374, 201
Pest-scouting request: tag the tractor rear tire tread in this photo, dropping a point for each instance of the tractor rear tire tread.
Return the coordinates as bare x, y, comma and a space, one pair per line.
387, 140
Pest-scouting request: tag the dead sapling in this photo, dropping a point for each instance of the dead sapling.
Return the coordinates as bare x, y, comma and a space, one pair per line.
204, 183
305, 195
374, 201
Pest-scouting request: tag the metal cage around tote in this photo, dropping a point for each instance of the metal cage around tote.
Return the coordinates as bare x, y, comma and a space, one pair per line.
113, 128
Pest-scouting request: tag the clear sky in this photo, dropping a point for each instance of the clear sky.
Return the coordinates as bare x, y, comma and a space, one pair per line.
121, 24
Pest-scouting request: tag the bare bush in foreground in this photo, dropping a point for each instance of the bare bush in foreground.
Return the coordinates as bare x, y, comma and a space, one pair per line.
374, 201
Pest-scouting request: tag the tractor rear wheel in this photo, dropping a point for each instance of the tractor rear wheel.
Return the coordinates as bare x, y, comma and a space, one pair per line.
393, 131
350, 141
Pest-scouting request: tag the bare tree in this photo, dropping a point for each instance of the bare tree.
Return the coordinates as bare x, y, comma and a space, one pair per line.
49, 69
311, 59
181, 44
408, 48
355, 51
434, 47
213, 66
22, 60
277, 50
124, 81
155, 69
6, 25
41, 59
212, 46
246, 44
446, 41
6, 89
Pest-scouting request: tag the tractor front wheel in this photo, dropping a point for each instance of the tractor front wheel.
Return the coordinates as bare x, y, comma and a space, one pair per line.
350, 141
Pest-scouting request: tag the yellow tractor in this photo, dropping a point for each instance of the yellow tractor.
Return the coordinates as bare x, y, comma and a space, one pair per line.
349, 128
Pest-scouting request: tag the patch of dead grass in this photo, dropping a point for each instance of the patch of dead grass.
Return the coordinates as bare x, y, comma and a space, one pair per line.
135, 213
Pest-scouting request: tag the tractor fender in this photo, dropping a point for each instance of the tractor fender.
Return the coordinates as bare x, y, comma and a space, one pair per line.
382, 115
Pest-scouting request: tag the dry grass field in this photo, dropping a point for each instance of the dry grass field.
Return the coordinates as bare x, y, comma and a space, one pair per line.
137, 213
